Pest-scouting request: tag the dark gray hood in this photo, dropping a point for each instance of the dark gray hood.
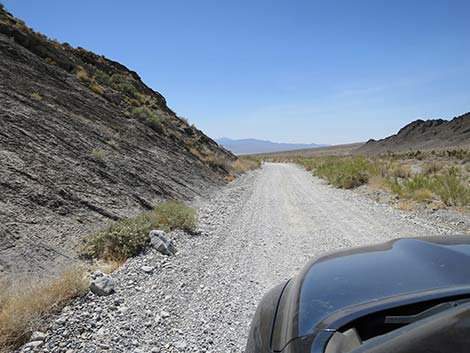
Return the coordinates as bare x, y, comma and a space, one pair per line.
344, 281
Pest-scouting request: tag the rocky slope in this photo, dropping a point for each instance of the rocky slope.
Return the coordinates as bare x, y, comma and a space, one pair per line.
424, 134
83, 142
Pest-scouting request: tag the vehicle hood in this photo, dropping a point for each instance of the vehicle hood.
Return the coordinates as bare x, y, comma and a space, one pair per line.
350, 278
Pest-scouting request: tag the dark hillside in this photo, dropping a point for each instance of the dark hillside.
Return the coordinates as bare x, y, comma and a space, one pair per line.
423, 135
83, 141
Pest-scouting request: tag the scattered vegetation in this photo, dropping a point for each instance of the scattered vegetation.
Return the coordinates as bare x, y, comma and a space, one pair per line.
25, 304
149, 116
432, 176
128, 237
118, 78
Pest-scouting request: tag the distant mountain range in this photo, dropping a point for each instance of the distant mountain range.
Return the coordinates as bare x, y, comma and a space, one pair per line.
251, 146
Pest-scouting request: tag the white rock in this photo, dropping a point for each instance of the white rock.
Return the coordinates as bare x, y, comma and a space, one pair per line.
147, 269
38, 336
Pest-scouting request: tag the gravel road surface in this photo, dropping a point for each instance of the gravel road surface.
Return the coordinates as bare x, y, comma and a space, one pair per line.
255, 232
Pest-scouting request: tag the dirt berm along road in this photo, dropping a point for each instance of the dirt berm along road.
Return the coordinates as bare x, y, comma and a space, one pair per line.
256, 232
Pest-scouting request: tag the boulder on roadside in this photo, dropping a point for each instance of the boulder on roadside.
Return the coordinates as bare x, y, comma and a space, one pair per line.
37, 336
101, 284
164, 245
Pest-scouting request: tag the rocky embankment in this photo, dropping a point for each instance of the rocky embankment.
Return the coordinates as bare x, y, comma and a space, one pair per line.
84, 142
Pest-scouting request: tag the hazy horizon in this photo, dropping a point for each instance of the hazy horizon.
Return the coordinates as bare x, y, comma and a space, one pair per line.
296, 72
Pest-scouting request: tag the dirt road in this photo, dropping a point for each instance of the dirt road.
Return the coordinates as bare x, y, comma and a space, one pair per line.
256, 232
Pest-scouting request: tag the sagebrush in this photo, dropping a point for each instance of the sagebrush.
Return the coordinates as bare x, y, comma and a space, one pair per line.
128, 237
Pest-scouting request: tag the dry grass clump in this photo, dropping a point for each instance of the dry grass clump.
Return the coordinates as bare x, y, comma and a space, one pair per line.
217, 162
128, 237
97, 89
245, 163
83, 76
25, 304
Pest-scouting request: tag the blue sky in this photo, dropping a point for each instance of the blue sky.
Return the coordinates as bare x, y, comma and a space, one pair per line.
326, 71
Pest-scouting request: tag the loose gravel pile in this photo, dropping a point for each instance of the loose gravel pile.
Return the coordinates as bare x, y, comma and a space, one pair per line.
253, 234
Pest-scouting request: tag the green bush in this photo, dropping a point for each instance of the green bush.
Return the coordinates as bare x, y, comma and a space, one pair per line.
344, 173
103, 77
126, 87
451, 189
150, 117
128, 237
175, 215
118, 78
121, 240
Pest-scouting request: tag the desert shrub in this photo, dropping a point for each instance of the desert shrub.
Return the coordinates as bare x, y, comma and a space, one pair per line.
399, 171
118, 78
2, 7
423, 195
461, 154
97, 89
417, 182
150, 117
217, 162
122, 239
128, 237
103, 77
36, 96
142, 98
98, 154
243, 164
83, 76
126, 87
135, 102
346, 173
175, 215
432, 168
451, 189
24, 304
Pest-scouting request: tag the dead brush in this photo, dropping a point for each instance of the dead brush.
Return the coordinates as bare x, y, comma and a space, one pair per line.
25, 303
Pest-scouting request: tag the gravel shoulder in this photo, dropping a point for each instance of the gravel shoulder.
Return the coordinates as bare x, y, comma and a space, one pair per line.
255, 232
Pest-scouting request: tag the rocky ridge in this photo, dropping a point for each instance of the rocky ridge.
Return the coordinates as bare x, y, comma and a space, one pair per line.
424, 135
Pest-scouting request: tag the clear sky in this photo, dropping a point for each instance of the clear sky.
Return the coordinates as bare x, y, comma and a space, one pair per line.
326, 71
